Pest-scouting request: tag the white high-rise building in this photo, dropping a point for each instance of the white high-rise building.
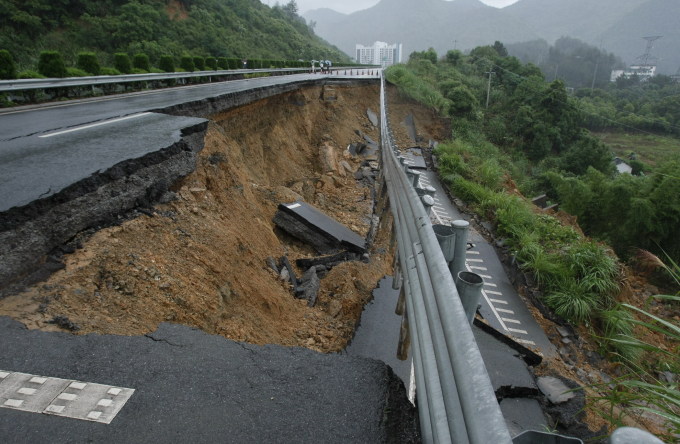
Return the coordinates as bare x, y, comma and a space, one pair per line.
379, 54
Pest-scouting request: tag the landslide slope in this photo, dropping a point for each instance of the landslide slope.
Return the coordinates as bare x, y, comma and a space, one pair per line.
200, 259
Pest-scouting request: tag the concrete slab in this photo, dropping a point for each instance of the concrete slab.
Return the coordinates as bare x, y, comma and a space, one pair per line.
415, 159
508, 372
311, 225
522, 414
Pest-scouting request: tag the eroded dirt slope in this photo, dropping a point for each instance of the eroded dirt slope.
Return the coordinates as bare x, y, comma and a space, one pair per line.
200, 259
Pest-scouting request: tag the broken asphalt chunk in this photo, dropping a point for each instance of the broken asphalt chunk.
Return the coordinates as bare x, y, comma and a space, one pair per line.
311, 226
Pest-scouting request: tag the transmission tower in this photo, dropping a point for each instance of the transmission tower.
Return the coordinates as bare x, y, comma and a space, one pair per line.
647, 56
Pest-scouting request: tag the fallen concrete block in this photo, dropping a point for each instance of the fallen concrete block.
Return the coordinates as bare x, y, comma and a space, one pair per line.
310, 225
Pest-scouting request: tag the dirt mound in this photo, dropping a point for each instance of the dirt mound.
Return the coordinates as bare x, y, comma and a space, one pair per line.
200, 259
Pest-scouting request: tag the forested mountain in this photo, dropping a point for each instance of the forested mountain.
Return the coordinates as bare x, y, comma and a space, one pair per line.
615, 25
218, 28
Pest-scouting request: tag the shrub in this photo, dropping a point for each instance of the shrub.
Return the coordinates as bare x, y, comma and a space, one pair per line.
199, 63
76, 72
187, 64
87, 61
8, 69
30, 75
121, 62
141, 61
222, 63
167, 63
211, 63
235, 63
106, 71
51, 64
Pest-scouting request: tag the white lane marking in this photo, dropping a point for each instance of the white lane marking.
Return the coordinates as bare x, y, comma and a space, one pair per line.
294, 206
493, 309
511, 321
436, 214
84, 127
479, 268
471, 252
516, 330
489, 284
485, 276
525, 341
62, 397
497, 293
504, 310
475, 260
497, 301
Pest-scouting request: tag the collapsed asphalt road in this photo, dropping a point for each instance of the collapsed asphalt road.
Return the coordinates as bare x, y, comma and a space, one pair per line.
194, 387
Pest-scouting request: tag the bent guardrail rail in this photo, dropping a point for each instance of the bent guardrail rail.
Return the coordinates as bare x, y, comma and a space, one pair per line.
456, 401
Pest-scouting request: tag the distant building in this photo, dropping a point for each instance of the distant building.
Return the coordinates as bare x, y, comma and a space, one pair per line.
379, 54
644, 72
622, 167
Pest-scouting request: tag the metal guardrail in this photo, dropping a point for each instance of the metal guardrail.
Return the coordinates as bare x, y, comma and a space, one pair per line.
69, 82
28, 84
456, 401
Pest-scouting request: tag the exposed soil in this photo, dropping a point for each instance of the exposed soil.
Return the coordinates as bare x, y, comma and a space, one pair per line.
200, 260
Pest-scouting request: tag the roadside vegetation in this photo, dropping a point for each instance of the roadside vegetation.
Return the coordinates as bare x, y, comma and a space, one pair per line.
515, 135
229, 29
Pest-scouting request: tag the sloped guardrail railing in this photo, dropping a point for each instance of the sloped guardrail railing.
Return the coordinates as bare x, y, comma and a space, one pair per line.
28, 84
456, 401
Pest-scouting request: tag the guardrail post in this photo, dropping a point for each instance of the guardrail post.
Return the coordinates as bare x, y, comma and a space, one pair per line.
401, 302
426, 190
410, 174
460, 227
404, 339
469, 286
396, 281
446, 237
428, 203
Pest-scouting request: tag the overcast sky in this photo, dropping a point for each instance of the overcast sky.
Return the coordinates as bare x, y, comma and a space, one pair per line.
348, 6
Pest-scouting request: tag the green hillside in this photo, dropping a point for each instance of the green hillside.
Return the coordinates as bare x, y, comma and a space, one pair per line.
216, 28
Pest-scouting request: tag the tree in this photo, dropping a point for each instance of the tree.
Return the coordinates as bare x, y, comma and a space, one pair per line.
500, 49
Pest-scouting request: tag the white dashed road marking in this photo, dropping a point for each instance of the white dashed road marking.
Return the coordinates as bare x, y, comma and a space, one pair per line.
62, 397
478, 268
498, 301
505, 310
516, 330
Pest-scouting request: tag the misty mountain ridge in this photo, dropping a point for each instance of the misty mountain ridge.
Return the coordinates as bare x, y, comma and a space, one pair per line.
614, 25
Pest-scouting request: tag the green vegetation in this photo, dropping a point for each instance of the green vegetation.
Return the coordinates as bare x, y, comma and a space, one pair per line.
87, 61
51, 64
167, 63
204, 28
533, 135
122, 63
141, 62
8, 70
